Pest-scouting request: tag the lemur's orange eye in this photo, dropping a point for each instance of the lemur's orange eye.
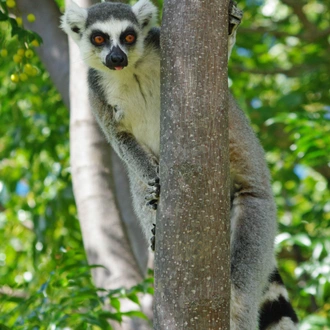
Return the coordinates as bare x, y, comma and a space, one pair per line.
130, 38
99, 40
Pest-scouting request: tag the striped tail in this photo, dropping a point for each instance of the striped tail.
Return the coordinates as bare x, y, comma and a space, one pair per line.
276, 312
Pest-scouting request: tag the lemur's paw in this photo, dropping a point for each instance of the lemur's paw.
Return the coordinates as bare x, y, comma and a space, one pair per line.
153, 191
153, 238
235, 17
117, 113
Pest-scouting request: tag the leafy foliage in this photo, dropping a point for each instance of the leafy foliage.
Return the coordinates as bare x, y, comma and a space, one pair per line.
26, 41
68, 298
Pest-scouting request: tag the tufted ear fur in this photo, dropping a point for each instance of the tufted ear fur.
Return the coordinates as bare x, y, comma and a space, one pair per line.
73, 21
146, 13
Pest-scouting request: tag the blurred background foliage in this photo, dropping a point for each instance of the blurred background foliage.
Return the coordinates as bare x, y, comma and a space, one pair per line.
279, 74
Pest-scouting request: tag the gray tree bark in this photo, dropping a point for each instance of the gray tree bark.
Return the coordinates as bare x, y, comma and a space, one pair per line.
54, 51
192, 261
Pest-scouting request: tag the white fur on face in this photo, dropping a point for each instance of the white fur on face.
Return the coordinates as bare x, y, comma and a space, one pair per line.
146, 13
95, 57
74, 16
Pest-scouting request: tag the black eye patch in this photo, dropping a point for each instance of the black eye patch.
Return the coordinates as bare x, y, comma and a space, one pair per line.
128, 37
98, 38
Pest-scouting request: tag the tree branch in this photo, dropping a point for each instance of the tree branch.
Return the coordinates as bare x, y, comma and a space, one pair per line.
297, 7
292, 72
306, 36
8, 291
311, 33
54, 50
264, 30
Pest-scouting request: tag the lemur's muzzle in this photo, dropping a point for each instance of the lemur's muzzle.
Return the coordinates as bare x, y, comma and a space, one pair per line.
116, 59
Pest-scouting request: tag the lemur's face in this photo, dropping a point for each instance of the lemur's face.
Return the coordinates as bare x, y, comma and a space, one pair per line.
110, 35
112, 44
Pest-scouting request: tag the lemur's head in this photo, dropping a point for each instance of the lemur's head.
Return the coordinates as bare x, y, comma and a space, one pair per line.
110, 35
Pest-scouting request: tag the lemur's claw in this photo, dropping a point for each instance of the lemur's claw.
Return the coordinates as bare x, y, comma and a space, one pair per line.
153, 238
153, 193
154, 181
235, 17
153, 204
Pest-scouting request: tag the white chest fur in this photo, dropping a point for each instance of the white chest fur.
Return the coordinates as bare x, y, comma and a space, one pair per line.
136, 94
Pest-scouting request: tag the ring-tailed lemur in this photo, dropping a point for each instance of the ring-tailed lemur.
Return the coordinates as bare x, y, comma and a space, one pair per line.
120, 44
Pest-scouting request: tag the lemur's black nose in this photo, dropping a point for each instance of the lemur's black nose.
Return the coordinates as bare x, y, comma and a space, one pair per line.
116, 58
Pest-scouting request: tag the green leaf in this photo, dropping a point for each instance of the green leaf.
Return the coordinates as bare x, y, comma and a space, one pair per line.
115, 303
133, 297
112, 316
95, 321
302, 239
151, 290
136, 314
3, 17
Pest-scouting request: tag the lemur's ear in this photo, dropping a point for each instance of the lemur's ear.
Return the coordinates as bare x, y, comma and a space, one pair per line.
146, 13
73, 21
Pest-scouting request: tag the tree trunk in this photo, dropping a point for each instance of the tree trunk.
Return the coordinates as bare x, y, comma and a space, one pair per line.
192, 263
54, 51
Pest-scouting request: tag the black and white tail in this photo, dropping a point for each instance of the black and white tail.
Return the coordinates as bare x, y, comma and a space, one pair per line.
276, 312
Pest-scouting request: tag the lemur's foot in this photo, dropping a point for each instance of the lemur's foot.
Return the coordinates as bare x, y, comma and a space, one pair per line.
153, 238
235, 17
153, 191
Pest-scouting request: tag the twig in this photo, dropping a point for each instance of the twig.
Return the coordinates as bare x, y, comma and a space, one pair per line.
8, 291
